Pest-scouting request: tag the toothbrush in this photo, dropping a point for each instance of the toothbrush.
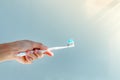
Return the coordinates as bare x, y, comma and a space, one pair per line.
70, 43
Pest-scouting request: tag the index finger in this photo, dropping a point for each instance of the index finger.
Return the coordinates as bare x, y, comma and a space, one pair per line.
43, 47
49, 53
39, 46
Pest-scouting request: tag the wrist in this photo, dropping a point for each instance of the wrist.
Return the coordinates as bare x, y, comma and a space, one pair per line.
6, 51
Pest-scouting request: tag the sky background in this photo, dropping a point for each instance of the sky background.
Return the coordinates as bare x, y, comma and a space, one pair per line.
93, 24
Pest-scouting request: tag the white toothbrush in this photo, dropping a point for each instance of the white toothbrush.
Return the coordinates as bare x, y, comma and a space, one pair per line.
70, 43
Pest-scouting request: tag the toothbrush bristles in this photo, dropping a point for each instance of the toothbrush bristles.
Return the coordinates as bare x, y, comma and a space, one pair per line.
70, 43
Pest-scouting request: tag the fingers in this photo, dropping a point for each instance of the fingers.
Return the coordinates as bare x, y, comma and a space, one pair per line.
43, 47
31, 56
39, 46
28, 60
32, 51
49, 53
38, 54
23, 60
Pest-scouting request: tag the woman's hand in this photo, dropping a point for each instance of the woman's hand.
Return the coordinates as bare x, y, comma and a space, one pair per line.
8, 51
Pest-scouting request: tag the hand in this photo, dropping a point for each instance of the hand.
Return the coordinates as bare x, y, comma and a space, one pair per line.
13, 48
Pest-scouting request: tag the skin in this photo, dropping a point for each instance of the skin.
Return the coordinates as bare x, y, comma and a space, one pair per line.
9, 50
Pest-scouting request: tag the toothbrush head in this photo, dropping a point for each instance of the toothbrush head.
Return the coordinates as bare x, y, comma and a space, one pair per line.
70, 43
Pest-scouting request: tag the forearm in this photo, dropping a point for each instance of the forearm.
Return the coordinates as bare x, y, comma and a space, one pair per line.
5, 51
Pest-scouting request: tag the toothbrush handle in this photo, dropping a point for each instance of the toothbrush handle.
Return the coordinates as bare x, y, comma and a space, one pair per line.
24, 53
21, 54
42, 51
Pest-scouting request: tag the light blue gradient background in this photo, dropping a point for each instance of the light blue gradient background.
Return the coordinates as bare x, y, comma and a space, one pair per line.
52, 22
